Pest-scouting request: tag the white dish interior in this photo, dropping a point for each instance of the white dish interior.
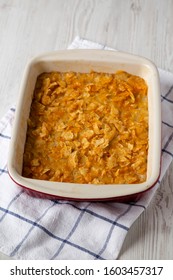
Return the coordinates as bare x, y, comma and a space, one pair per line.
85, 61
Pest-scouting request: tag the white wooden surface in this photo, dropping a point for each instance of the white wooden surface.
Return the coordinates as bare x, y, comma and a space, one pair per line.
29, 27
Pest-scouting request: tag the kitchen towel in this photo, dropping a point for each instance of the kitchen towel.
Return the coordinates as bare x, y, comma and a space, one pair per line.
32, 228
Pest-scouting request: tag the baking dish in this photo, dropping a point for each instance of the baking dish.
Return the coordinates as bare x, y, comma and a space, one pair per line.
85, 61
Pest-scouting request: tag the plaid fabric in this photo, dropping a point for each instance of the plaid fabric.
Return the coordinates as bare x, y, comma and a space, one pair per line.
32, 228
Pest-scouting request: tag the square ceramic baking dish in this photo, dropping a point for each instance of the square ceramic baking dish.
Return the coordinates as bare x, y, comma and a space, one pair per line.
85, 61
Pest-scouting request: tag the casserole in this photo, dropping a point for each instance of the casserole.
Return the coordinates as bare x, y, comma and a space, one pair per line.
83, 61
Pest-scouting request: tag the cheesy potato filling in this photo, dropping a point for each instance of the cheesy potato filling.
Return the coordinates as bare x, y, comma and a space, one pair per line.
88, 128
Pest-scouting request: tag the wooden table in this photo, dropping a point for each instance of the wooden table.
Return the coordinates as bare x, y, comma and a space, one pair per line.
29, 27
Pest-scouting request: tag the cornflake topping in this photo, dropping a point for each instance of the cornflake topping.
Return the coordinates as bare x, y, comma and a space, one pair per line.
88, 128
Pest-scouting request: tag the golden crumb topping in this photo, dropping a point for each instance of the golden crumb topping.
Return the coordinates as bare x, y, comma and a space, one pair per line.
88, 128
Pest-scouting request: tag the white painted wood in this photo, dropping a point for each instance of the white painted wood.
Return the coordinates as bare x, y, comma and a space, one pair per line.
29, 27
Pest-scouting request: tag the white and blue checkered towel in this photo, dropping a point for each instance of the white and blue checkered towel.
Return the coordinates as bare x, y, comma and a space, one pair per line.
32, 228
